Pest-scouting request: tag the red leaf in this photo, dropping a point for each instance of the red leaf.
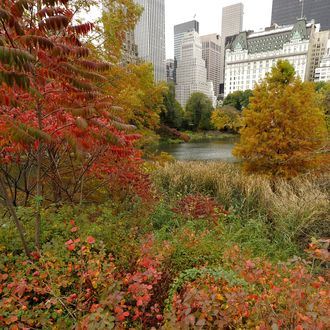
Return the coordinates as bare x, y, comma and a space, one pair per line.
35, 255
90, 240
11, 320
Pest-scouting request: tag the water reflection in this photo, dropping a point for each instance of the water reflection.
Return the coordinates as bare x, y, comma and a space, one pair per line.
203, 150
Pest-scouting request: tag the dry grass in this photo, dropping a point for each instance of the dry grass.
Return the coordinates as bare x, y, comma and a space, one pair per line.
299, 208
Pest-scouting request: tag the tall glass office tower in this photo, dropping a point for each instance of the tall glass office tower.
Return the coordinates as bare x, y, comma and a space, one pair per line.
150, 36
286, 12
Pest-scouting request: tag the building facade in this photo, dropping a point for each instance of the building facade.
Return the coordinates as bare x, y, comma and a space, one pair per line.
252, 54
150, 36
211, 52
191, 71
179, 31
317, 51
130, 50
286, 12
170, 70
322, 73
232, 23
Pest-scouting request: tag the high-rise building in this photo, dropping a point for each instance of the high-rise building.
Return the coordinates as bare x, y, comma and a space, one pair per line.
232, 23
191, 75
130, 49
150, 36
317, 51
170, 70
322, 73
179, 32
211, 46
286, 12
251, 55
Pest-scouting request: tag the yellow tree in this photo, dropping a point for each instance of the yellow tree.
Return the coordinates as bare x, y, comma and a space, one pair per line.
226, 118
284, 128
134, 89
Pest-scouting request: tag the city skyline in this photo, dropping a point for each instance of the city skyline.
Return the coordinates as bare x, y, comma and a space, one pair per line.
208, 14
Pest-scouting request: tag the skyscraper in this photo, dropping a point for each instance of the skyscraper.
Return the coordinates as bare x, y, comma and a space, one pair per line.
191, 71
322, 73
317, 51
211, 45
150, 36
232, 23
170, 70
286, 12
130, 50
179, 32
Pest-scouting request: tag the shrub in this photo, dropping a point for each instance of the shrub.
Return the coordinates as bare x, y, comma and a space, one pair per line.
199, 207
82, 288
274, 297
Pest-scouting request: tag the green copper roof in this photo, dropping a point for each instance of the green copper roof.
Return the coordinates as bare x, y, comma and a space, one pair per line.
271, 39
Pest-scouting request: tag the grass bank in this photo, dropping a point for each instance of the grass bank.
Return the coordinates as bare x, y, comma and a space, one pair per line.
210, 135
284, 214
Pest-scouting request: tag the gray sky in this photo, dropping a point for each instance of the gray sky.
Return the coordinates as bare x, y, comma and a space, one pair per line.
257, 14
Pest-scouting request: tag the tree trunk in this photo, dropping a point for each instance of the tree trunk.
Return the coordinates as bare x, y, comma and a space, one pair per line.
9, 205
38, 185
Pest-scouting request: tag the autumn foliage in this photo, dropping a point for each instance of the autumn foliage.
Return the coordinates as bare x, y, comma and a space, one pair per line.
63, 138
199, 207
250, 294
284, 129
84, 288
97, 245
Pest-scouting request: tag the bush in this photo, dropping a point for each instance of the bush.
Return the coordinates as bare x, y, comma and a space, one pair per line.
250, 294
181, 277
81, 288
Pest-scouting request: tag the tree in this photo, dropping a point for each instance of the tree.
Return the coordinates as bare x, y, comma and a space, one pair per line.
172, 113
238, 99
134, 89
283, 128
198, 111
323, 88
227, 118
62, 136
118, 17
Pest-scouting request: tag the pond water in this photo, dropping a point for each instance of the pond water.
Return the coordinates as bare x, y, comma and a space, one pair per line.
203, 150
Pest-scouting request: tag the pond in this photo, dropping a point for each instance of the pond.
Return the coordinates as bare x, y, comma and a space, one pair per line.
215, 149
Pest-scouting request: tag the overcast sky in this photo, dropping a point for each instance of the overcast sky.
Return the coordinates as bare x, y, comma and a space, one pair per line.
257, 14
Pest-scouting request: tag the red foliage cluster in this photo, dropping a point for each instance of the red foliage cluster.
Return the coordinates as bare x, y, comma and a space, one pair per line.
274, 297
85, 286
320, 250
82, 288
199, 206
56, 109
166, 131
